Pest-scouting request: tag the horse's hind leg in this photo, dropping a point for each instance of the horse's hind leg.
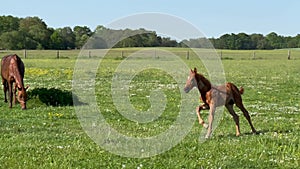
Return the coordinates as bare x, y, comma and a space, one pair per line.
235, 118
246, 114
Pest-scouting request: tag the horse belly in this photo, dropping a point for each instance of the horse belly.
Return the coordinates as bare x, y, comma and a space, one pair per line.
219, 98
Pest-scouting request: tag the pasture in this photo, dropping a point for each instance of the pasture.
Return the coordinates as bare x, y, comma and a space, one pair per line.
49, 134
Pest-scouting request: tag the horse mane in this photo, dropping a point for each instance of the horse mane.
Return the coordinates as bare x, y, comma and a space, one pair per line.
204, 84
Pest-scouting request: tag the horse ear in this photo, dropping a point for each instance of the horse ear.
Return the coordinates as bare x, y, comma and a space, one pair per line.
195, 70
27, 87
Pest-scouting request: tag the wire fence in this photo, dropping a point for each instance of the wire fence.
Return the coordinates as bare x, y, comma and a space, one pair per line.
184, 53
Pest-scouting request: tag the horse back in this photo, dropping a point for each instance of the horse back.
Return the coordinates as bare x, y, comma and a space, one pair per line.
224, 94
10, 65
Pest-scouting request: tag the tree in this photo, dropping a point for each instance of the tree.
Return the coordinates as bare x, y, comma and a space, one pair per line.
244, 42
96, 42
63, 38
297, 38
36, 32
56, 40
8, 24
150, 39
11, 40
256, 39
276, 42
168, 42
223, 41
82, 34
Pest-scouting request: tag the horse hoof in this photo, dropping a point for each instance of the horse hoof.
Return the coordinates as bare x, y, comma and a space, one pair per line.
205, 125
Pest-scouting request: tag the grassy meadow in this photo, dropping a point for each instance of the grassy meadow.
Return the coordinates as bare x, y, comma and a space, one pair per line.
49, 134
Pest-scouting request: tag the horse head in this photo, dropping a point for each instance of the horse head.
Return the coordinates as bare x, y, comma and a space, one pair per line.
191, 81
22, 96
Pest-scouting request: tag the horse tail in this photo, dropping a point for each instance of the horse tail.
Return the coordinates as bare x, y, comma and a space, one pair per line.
241, 90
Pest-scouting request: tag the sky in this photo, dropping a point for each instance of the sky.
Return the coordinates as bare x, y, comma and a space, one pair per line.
213, 18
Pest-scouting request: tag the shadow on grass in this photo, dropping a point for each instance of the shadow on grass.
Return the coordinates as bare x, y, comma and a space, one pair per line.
259, 132
54, 97
278, 131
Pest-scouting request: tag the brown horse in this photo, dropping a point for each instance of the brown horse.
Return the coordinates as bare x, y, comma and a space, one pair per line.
12, 71
214, 96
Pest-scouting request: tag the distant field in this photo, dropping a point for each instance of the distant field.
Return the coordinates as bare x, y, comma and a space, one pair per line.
49, 135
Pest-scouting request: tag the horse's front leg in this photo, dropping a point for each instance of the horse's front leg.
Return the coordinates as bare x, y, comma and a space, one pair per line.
5, 88
14, 93
10, 94
201, 121
210, 121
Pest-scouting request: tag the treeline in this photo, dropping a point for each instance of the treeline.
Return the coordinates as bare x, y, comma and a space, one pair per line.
33, 33
243, 41
107, 38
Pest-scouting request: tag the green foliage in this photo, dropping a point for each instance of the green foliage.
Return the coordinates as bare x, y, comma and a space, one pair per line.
35, 32
129, 38
66, 38
243, 41
11, 40
56, 40
82, 34
8, 24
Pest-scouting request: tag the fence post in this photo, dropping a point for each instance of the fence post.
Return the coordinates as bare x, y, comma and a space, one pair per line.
89, 54
25, 53
188, 55
253, 54
289, 55
155, 54
122, 54
221, 54
57, 54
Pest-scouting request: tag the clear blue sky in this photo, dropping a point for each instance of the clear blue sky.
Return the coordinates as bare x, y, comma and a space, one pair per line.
214, 18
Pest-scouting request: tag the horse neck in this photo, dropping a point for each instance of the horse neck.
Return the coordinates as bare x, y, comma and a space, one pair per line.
18, 78
204, 84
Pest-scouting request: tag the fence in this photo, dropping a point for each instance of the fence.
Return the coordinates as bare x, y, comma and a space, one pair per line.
288, 54
184, 53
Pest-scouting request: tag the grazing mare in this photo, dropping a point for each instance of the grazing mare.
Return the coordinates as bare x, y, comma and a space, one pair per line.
214, 96
12, 71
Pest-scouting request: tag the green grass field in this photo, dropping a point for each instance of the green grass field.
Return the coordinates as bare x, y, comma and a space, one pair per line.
49, 134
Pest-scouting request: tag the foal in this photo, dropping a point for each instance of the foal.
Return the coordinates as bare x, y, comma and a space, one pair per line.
215, 96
